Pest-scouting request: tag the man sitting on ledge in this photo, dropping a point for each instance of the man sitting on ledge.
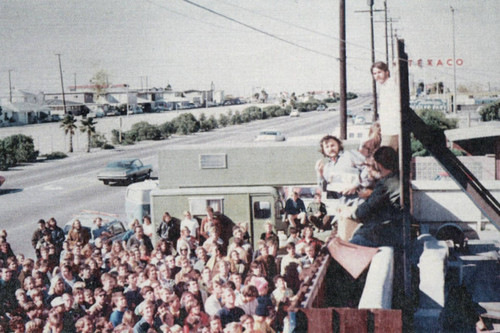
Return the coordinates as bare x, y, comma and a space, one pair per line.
381, 213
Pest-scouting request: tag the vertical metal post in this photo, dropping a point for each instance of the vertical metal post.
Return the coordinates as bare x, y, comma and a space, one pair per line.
455, 99
405, 159
343, 72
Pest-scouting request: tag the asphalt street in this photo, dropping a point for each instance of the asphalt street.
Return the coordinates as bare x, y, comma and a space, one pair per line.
62, 188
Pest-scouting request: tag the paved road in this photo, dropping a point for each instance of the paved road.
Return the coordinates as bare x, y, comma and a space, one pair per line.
64, 187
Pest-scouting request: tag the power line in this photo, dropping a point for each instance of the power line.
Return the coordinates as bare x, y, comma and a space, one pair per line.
260, 30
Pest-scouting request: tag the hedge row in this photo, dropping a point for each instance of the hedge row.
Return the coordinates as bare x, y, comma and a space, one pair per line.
186, 123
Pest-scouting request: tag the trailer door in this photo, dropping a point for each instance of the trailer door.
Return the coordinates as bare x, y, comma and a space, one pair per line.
262, 208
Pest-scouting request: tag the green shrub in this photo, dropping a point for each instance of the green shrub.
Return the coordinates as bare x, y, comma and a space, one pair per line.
274, 111
186, 123
236, 118
207, 124
57, 155
213, 122
107, 146
143, 131
17, 149
167, 129
252, 113
97, 140
330, 100
490, 112
223, 120
438, 122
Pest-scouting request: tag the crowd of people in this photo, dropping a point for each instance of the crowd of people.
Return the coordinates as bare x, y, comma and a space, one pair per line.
201, 276
196, 278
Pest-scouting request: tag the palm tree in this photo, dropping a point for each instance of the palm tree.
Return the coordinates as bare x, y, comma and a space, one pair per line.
88, 126
68, 124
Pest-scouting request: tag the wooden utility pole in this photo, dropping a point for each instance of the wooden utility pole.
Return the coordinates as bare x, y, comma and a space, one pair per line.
343, 72
62, 82
10, 87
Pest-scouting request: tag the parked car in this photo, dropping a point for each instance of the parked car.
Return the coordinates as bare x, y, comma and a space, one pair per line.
359, 120
135, 109
113, 226
270, 135
321, 107
96, 114
122, 171
55, 118
295, 113
367, 107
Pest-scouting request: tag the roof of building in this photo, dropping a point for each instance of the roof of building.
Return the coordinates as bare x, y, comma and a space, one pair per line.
488, 129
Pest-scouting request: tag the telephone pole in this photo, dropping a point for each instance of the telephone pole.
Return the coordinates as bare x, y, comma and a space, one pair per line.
62, 82
374, 84
454, 64
343, 75
10, 87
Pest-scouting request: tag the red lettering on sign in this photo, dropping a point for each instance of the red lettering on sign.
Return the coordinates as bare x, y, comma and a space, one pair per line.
419, 62
429, 62
459, 62
449, 62
439, 63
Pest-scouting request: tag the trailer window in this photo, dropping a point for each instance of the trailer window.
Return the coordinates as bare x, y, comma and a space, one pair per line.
261, 209
198, 206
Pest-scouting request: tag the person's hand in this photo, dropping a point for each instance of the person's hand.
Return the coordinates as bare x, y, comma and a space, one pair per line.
365, 193
349, 191
319, 167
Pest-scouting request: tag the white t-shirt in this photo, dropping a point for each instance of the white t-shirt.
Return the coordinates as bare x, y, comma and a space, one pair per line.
191, 224
389, 107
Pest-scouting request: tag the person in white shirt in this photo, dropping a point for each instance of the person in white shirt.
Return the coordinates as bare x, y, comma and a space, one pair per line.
388, 105
191, 223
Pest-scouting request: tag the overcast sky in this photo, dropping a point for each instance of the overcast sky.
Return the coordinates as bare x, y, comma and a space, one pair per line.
246, 45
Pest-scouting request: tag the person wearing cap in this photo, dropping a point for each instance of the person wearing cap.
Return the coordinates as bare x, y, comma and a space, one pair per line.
230, 312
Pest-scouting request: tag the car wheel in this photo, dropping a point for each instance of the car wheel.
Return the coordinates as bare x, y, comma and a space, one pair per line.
148, 175
105, 182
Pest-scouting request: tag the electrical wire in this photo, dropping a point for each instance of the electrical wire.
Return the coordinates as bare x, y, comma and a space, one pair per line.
260, 30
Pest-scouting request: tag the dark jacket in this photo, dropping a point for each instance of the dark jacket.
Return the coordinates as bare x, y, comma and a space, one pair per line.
381, 215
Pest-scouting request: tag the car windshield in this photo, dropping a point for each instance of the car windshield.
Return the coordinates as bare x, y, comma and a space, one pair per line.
119, 164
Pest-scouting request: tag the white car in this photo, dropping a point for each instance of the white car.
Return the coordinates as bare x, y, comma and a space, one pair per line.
295, 113
270, 135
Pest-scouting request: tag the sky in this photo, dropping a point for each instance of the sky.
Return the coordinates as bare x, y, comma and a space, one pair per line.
242, 46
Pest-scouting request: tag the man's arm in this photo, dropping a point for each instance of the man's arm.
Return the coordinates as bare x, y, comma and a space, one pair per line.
374, 202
